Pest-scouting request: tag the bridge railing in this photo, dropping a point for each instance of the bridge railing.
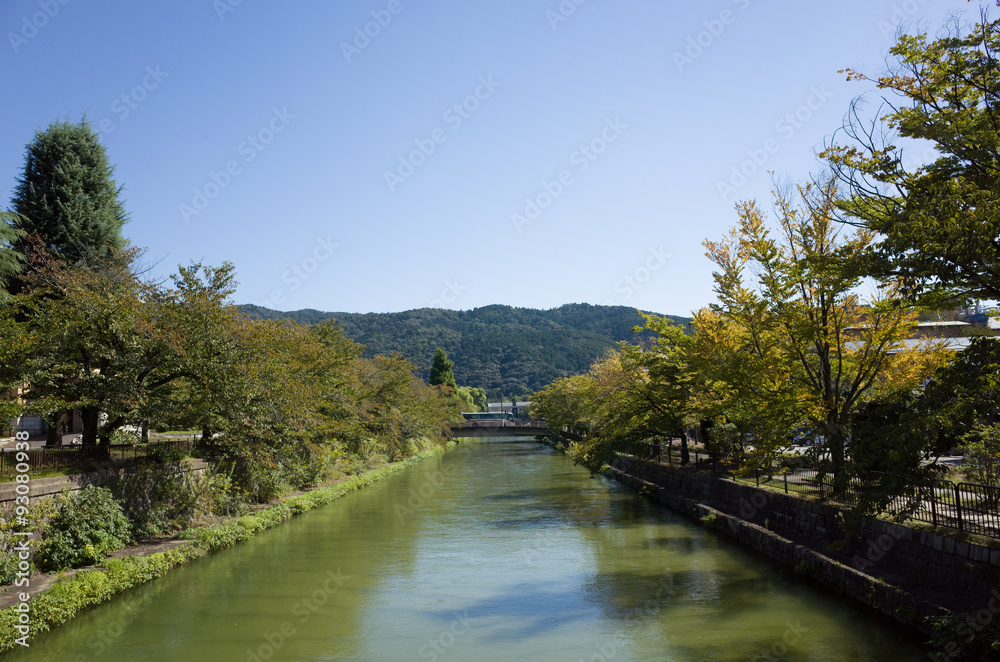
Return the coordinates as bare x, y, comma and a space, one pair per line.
533, 424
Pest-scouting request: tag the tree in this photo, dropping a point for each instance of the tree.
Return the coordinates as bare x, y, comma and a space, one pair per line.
939, 219
441, 373
631, 396
567, 405
472, 398
11, 261
67, 195
805, 349
101, 341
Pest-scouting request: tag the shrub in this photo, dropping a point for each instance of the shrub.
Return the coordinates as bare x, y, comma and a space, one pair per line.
223, 496
981, 449
159, 498
254, 468
311, 464
85, 529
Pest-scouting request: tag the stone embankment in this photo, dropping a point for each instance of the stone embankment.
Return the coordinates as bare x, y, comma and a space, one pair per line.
904, 573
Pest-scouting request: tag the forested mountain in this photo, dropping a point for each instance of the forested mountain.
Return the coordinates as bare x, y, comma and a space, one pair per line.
507, 351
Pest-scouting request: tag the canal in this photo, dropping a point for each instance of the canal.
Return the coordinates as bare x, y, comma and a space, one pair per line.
493, 551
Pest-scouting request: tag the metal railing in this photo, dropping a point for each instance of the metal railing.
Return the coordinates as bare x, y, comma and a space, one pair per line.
72, 457
968, 507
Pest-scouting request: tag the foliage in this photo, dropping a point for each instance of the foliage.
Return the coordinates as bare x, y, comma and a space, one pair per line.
794, 343
280, 401
506, 351
964, 394
86, 528
631, 395
892, 455
963, 638
101, 341
938, 216
11, 261
441, 373
724, 438
567, 405
981, 449
67, 196
473, 399
160, 498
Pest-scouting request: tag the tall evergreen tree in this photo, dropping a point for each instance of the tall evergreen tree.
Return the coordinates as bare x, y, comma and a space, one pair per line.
67, 195
441, 371
11, 262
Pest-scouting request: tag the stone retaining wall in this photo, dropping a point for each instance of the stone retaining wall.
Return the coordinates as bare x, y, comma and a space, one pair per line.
748, 514
48, 487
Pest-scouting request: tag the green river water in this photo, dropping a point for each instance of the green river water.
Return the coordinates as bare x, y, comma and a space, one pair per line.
493, 551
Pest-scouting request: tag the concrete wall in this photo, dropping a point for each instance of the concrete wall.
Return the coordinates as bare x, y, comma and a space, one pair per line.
750, 515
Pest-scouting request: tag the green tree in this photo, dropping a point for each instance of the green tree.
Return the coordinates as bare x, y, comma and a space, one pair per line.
102, 341
938, 216
67, 196
567, 405
441, 373
11, 261
807, 348
473, 399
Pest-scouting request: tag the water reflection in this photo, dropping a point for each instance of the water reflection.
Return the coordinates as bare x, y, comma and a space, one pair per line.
493, 552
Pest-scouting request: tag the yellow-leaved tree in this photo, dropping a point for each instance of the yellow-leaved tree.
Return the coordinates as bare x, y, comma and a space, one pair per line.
792, 341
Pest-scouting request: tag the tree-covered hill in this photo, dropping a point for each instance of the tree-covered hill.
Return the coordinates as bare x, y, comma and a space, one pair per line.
507, 351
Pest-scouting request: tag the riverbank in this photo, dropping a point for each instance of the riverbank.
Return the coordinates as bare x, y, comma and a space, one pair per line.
922, 581
66, 594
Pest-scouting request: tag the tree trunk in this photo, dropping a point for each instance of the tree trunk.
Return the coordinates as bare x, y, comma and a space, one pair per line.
835, 441
685, 455
144, 434
54, 436
91, 419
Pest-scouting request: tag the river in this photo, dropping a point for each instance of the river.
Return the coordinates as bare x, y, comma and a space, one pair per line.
493, 551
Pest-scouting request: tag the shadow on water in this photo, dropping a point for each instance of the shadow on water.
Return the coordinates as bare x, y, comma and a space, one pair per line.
525, 611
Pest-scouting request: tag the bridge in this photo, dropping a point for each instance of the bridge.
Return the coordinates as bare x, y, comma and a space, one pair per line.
533, 428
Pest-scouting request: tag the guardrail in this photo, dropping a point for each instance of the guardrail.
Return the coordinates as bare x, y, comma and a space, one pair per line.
67, 457
968, 507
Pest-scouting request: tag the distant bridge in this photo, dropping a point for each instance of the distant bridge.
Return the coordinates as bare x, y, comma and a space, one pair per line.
487, 428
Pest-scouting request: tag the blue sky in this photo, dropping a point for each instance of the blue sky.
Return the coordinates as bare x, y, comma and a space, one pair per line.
395, 154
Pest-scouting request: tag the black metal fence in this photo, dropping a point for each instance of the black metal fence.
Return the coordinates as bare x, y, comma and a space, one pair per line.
74, 457
968, 507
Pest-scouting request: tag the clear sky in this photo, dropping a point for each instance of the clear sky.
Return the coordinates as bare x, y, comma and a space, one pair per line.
525, 152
